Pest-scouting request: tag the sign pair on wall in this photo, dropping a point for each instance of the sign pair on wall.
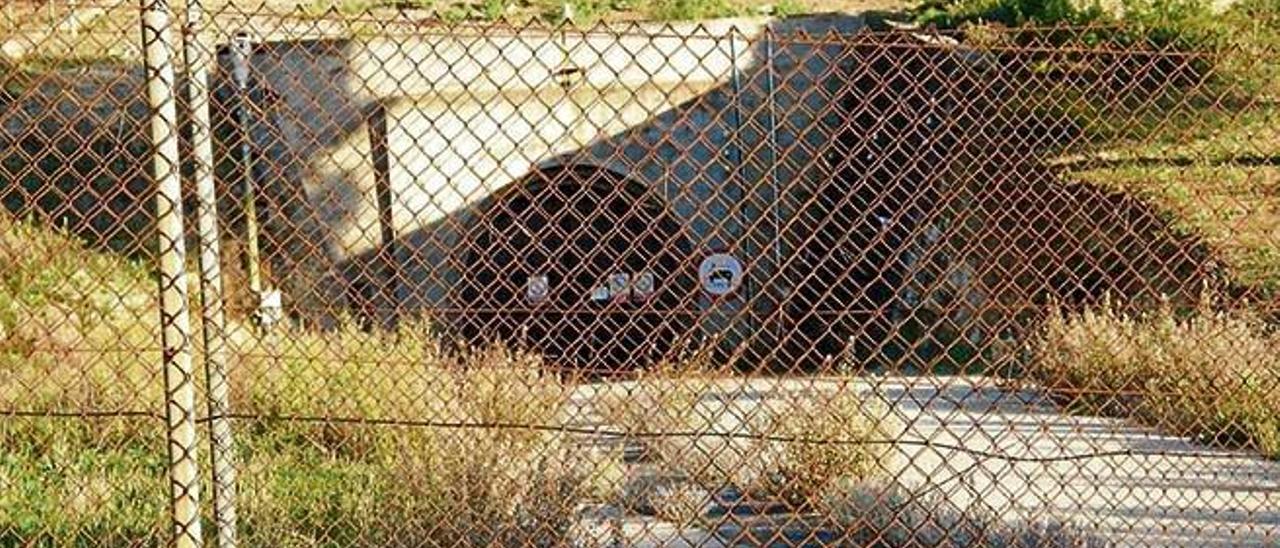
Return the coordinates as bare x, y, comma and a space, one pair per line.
623, 287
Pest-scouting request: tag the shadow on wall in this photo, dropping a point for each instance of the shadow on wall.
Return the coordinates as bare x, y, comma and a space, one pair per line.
73, 154
1026, 239
885, 217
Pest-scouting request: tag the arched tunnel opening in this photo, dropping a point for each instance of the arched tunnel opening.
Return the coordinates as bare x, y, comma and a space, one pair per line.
581, 265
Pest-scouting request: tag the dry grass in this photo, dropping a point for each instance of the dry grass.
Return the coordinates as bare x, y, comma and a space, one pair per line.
709, 432
78, 335
306, 481
355, 437
317, 470
685, 426
1210, 374
834, 440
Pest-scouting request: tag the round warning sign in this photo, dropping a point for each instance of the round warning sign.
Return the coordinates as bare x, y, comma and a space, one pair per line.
720, 273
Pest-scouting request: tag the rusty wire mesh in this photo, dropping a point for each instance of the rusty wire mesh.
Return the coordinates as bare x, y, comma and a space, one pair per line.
797, 281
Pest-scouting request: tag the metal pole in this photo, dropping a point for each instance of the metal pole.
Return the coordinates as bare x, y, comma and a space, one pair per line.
222, 444
389, 259
179, 381
241, 49
775, 196
737, 104
72, 24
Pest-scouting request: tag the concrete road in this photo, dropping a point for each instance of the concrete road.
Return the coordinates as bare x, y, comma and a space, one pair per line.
981, 446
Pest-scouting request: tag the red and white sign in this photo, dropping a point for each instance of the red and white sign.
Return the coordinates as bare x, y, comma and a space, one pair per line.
620, 286
643, 286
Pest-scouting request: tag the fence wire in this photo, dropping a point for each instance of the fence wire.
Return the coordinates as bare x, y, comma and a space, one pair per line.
798, 281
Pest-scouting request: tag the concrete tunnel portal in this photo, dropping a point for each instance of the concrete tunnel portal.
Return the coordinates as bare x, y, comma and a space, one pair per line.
442, 202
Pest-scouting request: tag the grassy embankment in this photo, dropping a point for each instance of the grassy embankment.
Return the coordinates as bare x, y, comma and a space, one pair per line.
1205, 154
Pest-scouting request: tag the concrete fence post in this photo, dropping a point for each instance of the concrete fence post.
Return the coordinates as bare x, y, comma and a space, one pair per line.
179, 382
213, 315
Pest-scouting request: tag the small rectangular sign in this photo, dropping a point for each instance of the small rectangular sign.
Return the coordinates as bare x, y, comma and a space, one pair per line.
620, 286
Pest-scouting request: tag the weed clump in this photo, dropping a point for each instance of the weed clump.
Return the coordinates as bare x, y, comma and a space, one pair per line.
709, 432
1210, 374
345, 437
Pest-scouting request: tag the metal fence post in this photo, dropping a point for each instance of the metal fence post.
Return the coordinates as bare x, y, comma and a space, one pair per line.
184, 477
222, 443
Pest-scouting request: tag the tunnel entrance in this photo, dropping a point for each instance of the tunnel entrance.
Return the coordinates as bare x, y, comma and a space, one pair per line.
580, 265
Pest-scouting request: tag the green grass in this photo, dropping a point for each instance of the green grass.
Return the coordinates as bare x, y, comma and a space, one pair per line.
1236, 210
302, 481
1214, 172
1200, 145
684, 10
1181, 24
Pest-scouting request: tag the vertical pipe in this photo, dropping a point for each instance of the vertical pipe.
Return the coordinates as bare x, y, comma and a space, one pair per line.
737, 103
387, 256
72, 22
222, 447
175, 338
770, 92
241, 49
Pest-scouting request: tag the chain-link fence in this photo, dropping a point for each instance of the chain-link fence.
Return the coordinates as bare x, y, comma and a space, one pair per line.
800, 281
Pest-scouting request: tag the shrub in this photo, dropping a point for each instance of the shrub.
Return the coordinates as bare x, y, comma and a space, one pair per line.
950, 13
683, 417
1182, 24
683, 10
1210, 374
489, 471
831, 441
707, 433
311, 473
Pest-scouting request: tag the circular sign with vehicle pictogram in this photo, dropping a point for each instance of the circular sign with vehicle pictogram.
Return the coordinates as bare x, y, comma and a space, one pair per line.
720, 274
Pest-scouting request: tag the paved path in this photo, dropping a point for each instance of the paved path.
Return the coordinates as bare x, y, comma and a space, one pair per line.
1015, 453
